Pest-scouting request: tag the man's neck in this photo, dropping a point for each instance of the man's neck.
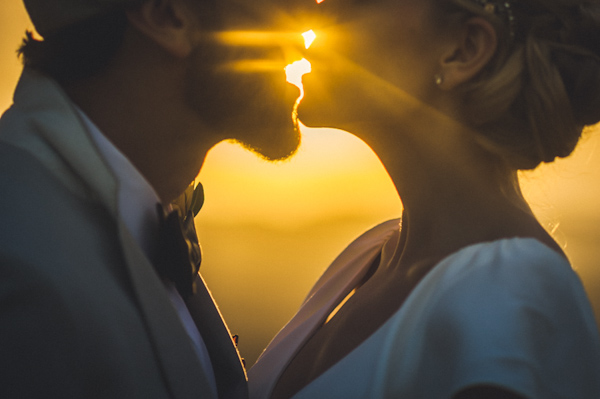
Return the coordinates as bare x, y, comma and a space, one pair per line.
150, 124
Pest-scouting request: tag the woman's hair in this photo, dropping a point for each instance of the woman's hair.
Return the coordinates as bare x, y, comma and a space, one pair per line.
77, 52
542, 87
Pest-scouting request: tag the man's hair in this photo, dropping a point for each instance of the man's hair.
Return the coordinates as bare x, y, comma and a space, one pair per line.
77, 52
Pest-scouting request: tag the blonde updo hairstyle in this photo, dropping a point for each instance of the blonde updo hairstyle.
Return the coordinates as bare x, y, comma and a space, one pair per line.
542, 87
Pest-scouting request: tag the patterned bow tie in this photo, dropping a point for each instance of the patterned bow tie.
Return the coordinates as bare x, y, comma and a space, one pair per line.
179, 254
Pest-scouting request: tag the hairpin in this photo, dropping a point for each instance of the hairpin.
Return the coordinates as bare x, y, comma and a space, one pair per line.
501, 8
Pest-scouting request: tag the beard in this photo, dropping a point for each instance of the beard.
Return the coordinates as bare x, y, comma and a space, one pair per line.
253, 108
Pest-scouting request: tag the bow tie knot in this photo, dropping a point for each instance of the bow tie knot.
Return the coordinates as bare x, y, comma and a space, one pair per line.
179, 254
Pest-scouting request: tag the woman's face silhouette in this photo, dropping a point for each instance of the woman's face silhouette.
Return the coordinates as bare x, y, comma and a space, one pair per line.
369, 57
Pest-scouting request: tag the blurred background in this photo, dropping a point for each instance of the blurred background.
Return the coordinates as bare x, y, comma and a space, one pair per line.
268, 230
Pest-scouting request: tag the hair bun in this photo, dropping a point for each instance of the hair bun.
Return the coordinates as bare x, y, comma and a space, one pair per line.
576, 55
582, 27
580, 74
543, 88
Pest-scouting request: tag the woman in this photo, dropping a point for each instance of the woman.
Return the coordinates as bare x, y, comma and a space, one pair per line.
467, 297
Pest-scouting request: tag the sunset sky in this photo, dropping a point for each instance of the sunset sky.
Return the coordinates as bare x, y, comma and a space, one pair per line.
269, 229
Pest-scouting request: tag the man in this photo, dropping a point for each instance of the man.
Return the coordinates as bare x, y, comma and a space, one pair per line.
114, 113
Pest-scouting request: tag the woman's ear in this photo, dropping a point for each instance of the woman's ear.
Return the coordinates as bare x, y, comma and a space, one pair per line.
474, 47
168, 23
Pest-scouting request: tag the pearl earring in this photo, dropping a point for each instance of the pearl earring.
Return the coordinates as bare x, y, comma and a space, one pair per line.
439, 78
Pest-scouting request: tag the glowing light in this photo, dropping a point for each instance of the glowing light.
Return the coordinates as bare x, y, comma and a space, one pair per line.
253, 66
309, 38
320, 1
297, 69
294, 72
254, 38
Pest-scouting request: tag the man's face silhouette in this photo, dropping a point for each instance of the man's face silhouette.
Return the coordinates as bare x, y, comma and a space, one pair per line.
250, 105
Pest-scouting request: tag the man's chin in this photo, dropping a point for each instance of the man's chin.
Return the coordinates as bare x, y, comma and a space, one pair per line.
269, 129
273, 144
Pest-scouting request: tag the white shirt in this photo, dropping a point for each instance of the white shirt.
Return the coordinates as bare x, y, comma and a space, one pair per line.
509, 313
137, 207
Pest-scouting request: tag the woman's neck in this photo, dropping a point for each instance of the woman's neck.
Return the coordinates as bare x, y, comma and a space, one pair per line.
454, 193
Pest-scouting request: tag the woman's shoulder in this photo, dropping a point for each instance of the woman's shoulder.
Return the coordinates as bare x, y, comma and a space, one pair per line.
377, 235
507, 272
516, 260
360, 253
506, 289
505, 312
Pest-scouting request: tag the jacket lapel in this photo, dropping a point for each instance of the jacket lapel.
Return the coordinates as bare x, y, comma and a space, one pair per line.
181, 367
226, 361
55, 135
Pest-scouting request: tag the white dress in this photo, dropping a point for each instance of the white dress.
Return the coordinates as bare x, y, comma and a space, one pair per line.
510, 313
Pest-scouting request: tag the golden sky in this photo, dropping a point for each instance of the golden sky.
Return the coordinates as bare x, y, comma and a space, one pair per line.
269, 229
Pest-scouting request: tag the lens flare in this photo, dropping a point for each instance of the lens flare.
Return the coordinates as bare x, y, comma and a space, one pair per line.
251, 38
297, 69
309, 38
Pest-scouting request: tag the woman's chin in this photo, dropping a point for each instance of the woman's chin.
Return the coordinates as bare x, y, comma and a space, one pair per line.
308, 114
333, 105
314, 113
